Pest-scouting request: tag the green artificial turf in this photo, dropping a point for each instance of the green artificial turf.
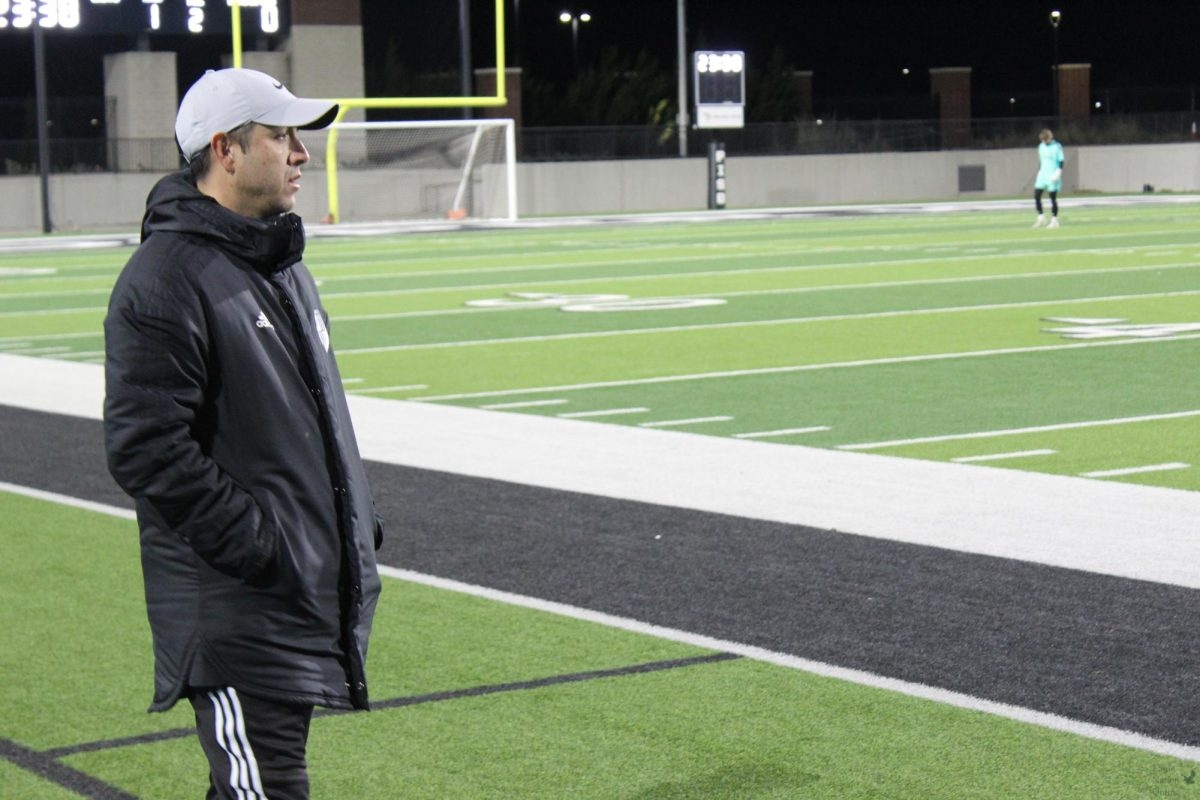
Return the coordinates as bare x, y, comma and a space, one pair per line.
872, 328
76, 660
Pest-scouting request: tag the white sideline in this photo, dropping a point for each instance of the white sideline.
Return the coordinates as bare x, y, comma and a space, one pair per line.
1126, 530
859, 677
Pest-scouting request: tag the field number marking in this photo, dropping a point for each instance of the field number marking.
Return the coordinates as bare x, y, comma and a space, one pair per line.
1113, 329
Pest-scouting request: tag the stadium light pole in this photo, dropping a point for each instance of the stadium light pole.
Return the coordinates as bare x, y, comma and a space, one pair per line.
465, 73
43, 123
682, 120
573, 20
515, 60
1055, 18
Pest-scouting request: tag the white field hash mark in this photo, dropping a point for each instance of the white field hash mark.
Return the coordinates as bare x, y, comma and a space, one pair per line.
1016, 431
525, 404
670, 423
1002, 456
410, 387
608, 412
782, 432
1115, 473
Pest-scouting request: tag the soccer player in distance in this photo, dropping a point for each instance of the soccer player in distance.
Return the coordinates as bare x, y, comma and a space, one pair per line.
1049, 177
225, 420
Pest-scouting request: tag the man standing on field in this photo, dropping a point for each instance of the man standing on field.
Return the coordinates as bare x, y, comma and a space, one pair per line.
225, 419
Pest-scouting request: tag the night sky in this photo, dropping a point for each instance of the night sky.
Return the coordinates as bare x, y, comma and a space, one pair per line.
860, 45
854, 47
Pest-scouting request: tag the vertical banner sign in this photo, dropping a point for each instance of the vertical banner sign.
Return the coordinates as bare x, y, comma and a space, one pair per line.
716, 175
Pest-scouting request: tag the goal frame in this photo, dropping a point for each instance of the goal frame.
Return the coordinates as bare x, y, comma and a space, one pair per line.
510, 157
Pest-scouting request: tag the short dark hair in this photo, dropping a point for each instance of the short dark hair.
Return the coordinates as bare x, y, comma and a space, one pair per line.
202, 161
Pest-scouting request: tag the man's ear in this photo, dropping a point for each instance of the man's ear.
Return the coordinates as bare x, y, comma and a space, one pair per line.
222, 150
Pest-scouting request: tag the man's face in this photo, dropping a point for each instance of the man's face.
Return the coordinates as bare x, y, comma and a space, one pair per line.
266, 172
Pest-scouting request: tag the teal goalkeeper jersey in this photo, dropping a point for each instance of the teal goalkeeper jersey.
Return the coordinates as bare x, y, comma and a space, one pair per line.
1050, 160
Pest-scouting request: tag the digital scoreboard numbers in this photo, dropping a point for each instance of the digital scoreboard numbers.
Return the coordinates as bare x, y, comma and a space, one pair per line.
720, 88
267, 17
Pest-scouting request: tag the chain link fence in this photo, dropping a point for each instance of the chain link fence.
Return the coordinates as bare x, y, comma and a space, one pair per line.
19, 156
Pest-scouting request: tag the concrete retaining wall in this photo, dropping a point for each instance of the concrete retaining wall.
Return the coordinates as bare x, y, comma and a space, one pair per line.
106, 201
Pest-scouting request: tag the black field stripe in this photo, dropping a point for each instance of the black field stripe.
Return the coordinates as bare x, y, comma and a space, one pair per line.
556, 680
404, 702
1110, 651
116, 744
48, 768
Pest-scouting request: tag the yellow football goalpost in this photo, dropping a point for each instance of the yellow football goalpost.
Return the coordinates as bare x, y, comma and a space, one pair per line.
347, 103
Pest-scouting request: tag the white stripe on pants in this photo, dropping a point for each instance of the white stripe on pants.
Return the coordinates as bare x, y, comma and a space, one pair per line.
231, 736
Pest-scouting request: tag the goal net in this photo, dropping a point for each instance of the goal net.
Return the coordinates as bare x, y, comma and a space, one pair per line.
456, 169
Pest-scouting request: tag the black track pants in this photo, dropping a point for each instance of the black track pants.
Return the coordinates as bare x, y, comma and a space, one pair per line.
255, 747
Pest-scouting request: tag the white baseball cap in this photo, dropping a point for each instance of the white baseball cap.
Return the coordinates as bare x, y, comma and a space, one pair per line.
225, 99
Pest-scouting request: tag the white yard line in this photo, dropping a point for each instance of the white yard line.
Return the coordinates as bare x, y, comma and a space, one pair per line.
853, 676
49, 337
746, 247
1062, 426
738, 373
1002, 456
743, 293
1113, 473
43, 312
106, 290
37, 351
799, 268
459, 290
858, 677
911, 312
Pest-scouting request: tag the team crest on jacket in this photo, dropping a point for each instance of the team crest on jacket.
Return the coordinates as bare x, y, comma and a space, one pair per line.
322, 331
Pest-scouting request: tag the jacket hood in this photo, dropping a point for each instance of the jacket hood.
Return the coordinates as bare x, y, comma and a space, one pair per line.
175, 205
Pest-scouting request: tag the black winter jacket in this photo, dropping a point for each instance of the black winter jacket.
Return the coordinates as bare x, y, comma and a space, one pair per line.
225, 419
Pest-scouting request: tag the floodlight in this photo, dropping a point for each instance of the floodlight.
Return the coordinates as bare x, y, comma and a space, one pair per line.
585, 17
1055, 18
564, 17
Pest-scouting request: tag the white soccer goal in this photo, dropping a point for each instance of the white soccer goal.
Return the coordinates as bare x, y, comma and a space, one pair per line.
454, 169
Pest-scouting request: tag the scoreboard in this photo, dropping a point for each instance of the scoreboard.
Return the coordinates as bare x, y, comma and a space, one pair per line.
267, 17
720, 88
